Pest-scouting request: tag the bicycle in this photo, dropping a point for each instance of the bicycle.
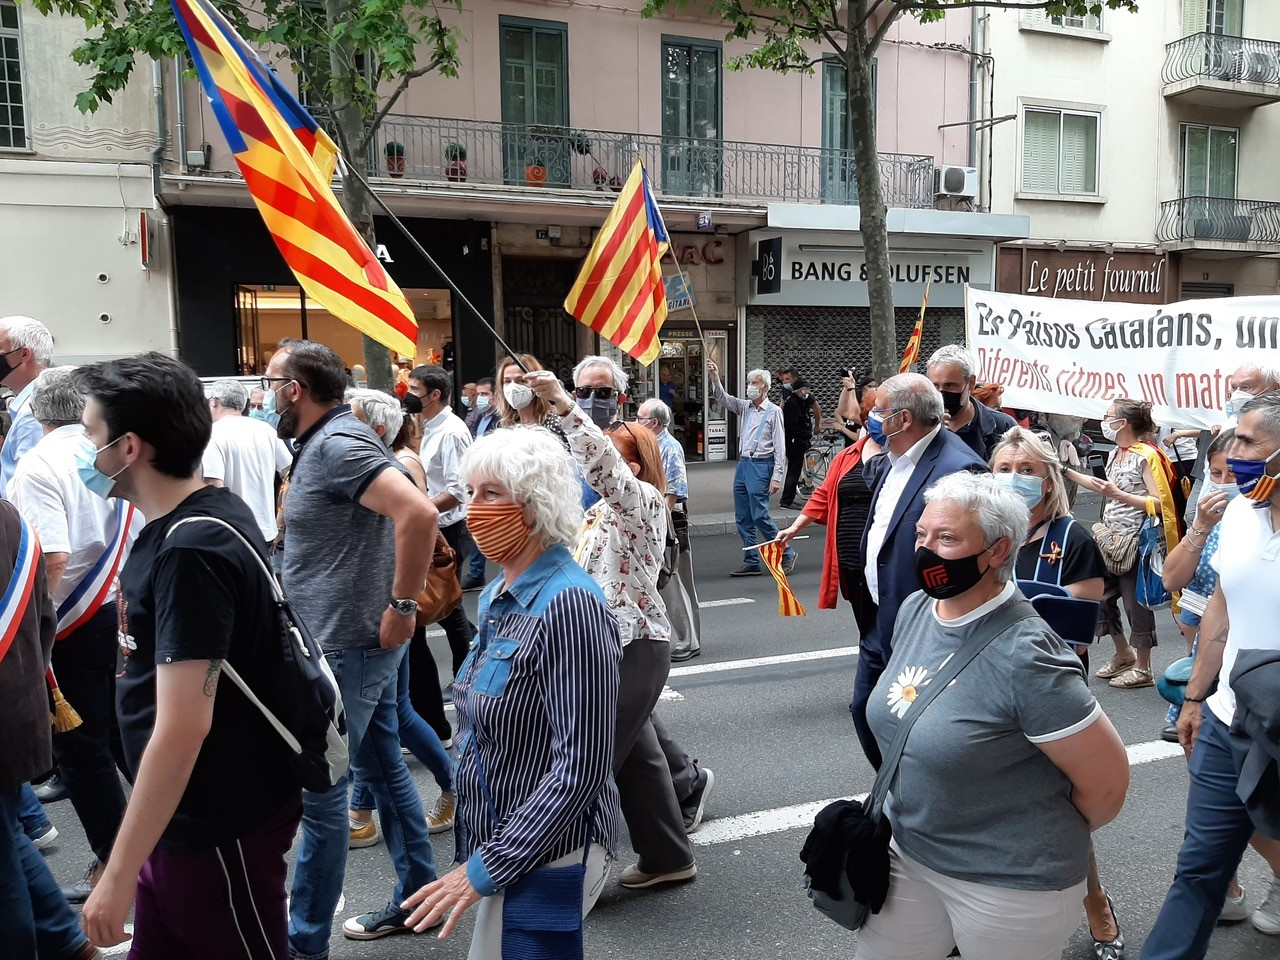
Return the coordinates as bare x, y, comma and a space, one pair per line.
817, 459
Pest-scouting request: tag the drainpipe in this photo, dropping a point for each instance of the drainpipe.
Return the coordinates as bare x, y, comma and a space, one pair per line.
162, 134
975, 98
179, 96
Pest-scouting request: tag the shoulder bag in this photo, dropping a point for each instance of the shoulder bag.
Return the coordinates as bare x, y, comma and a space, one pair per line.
846, 909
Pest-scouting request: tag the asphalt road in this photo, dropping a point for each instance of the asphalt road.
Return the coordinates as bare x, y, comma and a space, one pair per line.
778, 736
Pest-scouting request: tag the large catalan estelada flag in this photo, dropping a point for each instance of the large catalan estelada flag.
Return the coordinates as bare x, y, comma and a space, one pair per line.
788, 606
288, 162
912, 353
619, 293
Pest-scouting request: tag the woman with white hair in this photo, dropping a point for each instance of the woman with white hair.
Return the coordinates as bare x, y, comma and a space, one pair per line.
1006, 771
537, 699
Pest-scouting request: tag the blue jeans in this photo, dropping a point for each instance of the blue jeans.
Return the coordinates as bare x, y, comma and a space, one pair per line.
475, 566
36, 920
751, 508
1217, 833
417, 735
31, 812
368, 680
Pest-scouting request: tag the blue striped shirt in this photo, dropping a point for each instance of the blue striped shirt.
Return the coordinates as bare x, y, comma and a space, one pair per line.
537, 702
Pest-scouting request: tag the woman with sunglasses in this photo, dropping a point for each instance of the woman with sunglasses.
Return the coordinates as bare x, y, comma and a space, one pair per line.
621, 546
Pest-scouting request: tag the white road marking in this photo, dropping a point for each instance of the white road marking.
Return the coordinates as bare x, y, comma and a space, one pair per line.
697, 668
435, 633
731, 601
669, 694
798, 815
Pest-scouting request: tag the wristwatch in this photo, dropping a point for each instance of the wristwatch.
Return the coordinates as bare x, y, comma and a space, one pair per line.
406, 608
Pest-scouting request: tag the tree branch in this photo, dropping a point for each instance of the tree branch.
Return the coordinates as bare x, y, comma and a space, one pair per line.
945, 5
372, 127
824, 28
890, 19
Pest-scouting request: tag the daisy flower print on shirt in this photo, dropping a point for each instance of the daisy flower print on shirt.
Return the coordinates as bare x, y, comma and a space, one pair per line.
904, 690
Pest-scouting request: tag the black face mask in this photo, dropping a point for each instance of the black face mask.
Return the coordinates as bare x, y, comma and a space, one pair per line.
6, 367
602, 412
943, 579
952, 401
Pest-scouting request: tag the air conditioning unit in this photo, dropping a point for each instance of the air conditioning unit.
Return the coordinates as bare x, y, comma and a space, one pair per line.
958, 182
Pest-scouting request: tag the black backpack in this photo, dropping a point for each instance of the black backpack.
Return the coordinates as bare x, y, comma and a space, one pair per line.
300, 699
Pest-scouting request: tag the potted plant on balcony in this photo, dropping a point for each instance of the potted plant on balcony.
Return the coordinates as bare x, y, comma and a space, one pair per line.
535, 170
455, 170
395, 159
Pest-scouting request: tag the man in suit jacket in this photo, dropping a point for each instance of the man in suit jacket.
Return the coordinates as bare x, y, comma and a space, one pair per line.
907, 421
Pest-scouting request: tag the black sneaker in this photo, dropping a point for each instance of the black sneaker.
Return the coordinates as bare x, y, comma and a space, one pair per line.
79, 892
381, 923
1170, 733
745, 571
51, 791
788, 563
696, 803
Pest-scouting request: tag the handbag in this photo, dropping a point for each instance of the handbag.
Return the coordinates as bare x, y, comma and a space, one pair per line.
846, 909
1149, 590
1119, 550
442, 591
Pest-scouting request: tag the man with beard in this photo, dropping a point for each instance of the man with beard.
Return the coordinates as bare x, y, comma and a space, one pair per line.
952, 370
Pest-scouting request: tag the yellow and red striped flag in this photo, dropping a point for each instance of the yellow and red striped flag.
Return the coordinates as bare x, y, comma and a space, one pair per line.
788, 606
912, 353
287, 162
619, 293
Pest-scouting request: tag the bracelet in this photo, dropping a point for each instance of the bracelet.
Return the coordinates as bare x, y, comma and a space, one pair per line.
1193, 546
1193, 699
1191, 535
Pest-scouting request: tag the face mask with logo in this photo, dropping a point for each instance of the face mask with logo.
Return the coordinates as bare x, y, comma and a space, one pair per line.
499, 529
482, 401
1237, 400
1232, 490
952, 401
943, 579
601, 412
1252, 479
98, 482
754, 392
1029, 488
518, 395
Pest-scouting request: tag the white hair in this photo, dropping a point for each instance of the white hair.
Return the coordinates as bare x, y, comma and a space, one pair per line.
997, 510
535, 467
764, 375
653, 407
231, 394
377, 409
30, 333
620, 380
55, 399
953, 353
1269, 373
914, 392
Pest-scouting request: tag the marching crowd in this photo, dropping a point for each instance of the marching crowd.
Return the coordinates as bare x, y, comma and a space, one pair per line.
175, 551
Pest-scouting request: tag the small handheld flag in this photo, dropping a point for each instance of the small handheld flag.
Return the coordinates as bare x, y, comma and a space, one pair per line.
287, 162
620, 293
912, 353
788, 606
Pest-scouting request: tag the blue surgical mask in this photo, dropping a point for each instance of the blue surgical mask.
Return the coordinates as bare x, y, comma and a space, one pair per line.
256, 414
875, 427
269, 412
1029, 488
466, 402
1232, 490
98, 482
482, 401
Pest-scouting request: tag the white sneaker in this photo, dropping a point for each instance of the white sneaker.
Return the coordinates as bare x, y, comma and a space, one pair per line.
1266, 919
1234, 910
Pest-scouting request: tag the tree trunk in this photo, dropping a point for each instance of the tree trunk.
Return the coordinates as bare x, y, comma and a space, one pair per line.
861, 136
356, 201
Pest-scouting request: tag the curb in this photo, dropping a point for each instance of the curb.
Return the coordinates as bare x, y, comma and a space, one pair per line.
719, 524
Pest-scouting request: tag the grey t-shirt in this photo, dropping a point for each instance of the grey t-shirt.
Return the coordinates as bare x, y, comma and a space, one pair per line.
974, 797
339, 557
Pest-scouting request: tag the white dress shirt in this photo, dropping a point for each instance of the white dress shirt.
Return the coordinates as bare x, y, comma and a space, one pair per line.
900, 470
445, 439
246, 454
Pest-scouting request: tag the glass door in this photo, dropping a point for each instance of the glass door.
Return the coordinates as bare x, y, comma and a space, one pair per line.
247, 332
691, 151
535, 102
1209, 165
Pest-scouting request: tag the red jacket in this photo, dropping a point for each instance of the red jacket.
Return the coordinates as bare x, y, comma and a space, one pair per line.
823, 507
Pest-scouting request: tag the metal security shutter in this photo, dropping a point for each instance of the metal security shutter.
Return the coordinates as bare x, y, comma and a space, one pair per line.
1207, 291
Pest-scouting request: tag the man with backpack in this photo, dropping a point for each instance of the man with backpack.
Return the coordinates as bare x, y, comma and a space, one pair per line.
215, 802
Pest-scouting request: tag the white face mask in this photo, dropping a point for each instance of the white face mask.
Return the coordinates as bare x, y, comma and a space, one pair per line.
518, 395
1237, 400
1109, 431
754, 392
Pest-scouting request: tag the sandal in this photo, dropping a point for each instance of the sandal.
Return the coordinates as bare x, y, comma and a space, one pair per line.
1108, 949
1114, 668
1133, 678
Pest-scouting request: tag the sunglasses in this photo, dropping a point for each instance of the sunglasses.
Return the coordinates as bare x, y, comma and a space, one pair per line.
600, 393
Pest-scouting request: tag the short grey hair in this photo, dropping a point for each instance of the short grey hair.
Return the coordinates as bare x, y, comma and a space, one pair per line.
377, 409
914, 393
953, 353
764, 375
231, 394
534, 465
55, 399
620, 379
657, 409
1034, 448
1267, 407
30, 333
998, 511
1265, 371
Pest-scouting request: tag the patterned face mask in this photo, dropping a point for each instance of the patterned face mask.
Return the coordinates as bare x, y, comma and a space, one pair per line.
499, 529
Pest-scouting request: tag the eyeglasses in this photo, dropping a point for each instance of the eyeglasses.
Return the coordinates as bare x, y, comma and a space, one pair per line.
600, 393
268, 381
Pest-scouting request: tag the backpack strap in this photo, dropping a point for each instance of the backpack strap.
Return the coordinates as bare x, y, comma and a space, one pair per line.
1057, 533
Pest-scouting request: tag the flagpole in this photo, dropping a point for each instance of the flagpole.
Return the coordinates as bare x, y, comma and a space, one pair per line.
413, 241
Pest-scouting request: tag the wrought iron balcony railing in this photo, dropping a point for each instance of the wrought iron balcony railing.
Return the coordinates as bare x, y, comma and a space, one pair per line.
1221, 219
481, 151
1211, 56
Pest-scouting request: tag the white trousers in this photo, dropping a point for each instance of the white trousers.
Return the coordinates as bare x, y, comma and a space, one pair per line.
486, 941
927, 914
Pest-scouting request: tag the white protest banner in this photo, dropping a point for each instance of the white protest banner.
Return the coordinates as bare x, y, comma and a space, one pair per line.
1075, 356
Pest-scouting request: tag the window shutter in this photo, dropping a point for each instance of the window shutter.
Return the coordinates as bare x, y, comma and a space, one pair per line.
1079, 154
1040, 151
1194, 17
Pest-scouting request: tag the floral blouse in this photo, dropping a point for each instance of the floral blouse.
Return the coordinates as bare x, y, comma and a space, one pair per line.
1125, 471
623, 533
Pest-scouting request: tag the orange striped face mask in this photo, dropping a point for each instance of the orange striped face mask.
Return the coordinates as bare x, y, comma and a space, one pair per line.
499, 529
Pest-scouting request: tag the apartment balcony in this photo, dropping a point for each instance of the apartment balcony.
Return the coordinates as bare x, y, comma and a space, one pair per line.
1220, 225
557, 163
1226, 73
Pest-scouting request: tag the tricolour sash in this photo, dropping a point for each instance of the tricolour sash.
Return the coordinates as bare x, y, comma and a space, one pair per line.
22, 584
90, 593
